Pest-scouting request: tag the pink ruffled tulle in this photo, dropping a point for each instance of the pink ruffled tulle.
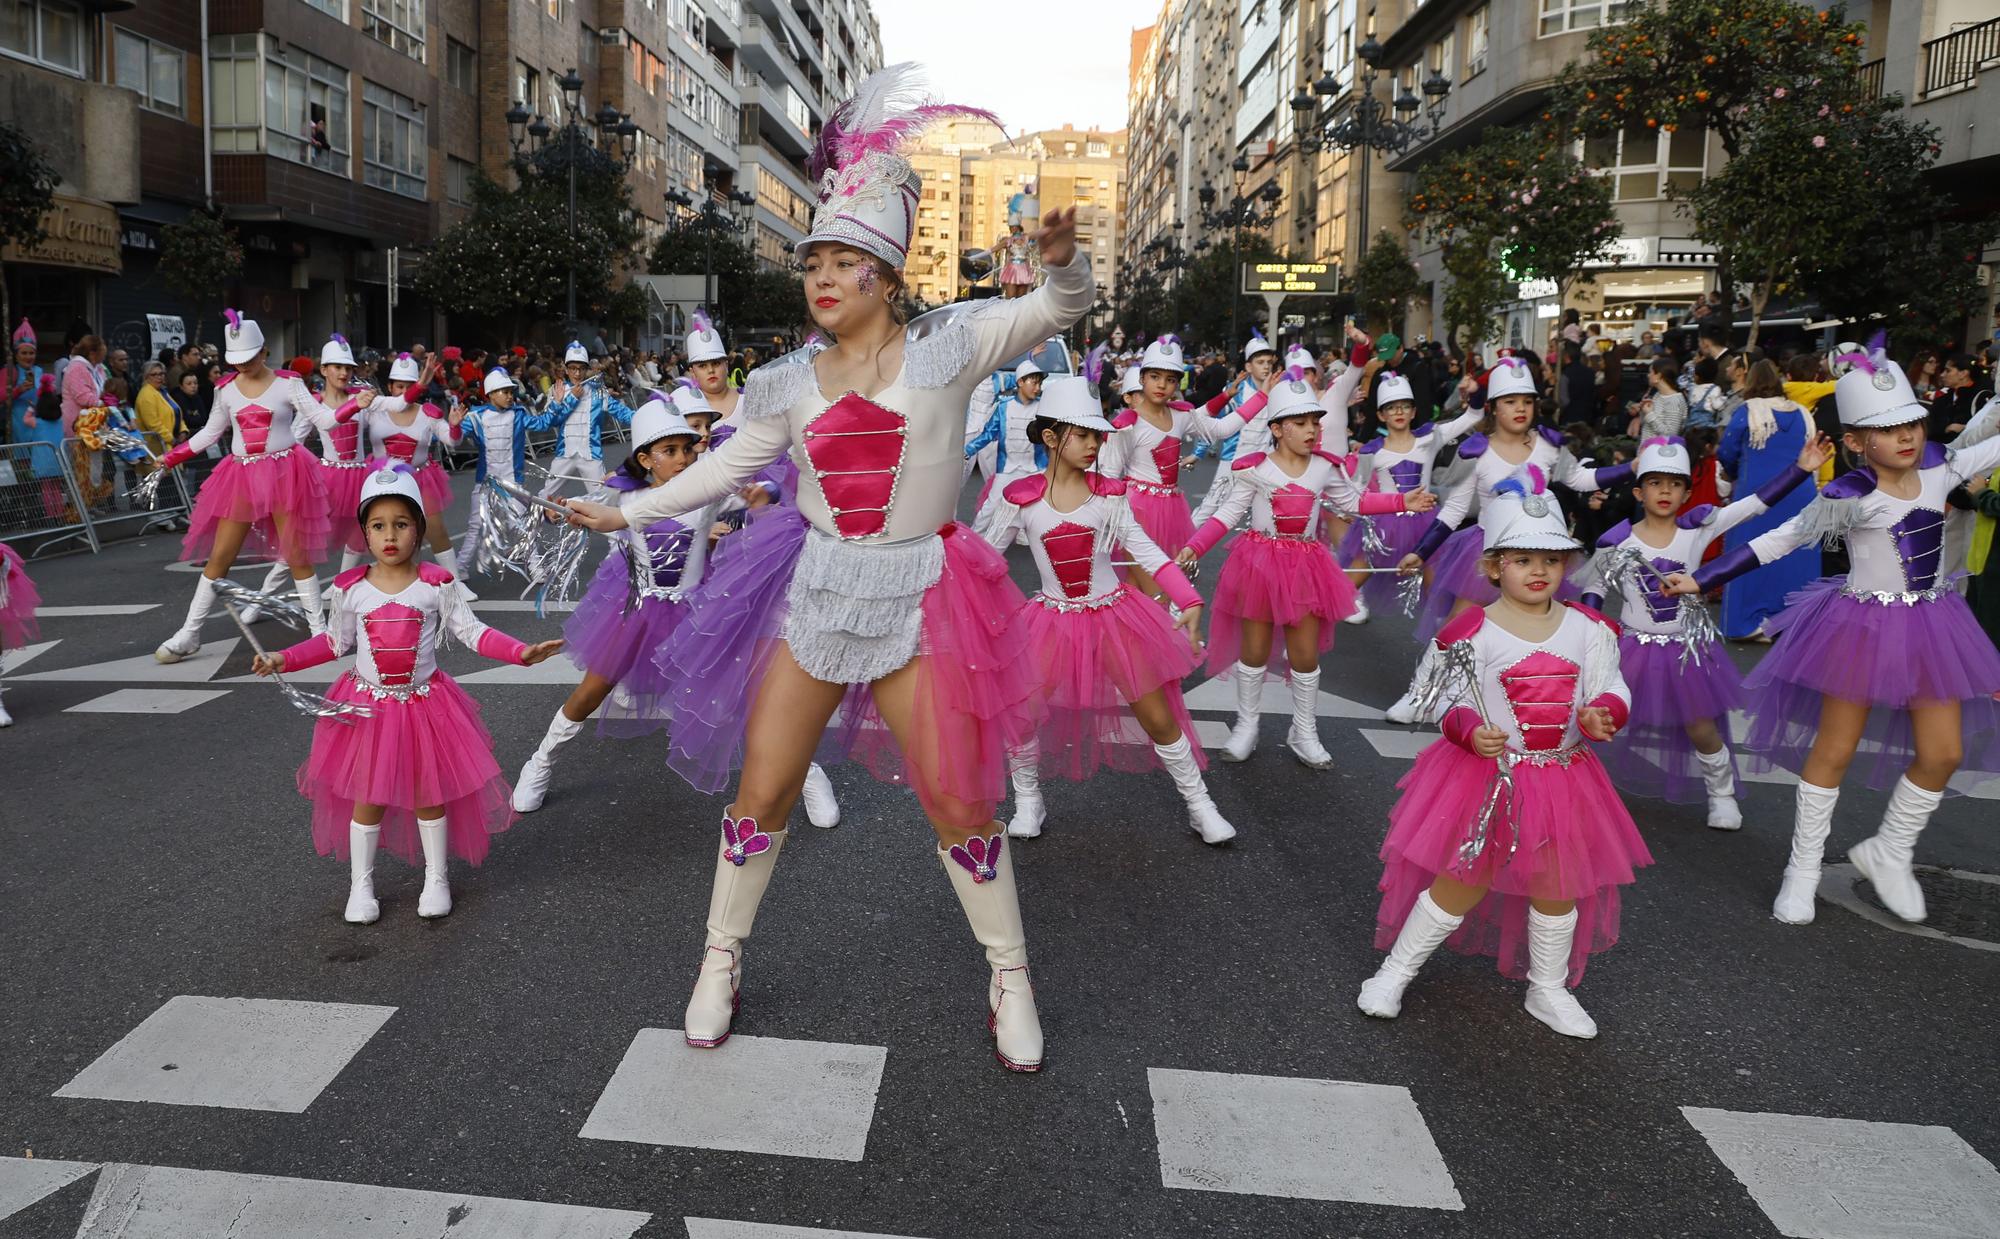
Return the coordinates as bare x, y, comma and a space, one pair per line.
17, 614
604, 638
1455, 576
1401, 531
1167, 519
1653, 756
426, 751
1276, 581
435, 486
343, 499
1088, 667
1894, 656
1576, 842
263, 494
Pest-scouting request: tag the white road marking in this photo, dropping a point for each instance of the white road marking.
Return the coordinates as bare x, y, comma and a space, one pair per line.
1836, 886
716, 1228
1297, 1138
164, 1202
1847, 1179
232, 1053
123, 608
13, 660
147, 701
753, 1095
144, 668
25, 1180
557, 670
1219, 693
1398, 745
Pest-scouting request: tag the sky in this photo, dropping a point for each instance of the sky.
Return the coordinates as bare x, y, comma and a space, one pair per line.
1038, 64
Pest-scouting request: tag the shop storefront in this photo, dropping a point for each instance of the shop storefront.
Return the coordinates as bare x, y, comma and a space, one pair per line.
54, 283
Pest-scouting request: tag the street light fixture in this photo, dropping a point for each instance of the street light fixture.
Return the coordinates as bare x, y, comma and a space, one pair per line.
1257, 209
687, 219
609, 136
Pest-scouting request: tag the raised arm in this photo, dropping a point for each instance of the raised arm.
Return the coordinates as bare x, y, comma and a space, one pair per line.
1978, 460
1004, 328
718, 474
1211, 428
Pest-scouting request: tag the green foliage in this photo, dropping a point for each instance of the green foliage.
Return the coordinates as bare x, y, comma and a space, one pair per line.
199, 259
1211, 284
749, 295
27, 187
1385, 282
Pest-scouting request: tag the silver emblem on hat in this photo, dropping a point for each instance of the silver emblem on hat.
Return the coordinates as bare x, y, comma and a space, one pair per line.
1883, 380
1535, 505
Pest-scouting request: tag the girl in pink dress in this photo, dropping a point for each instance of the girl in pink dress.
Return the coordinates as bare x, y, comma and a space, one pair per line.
18, 601
1100, 653
417, 774
1509, 839
404, 434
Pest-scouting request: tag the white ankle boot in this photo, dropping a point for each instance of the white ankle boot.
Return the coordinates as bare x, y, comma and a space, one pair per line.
188, 640
743, 867
1719, 774
435, 901
1814, 821
1303, 738
1203, 817
362, 906
1360, 615
275, 578
533, 786
982, 873
1249, 713
1884, 859
6, 719
1423, 932
448, 560
1549, 1000
1405, 710
309, 600
1029, 811
822, 806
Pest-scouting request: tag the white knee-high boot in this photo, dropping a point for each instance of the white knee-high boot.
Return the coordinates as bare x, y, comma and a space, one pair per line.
308, 591
1242, 739
1303, 738
1404, 711
448, 560
743, 865
188, 640
276, 577
1203, 817
533, 785
1029, 810
1885, 858
435, 899
1549, 1000
1719, 774
1424, 930
982, 874
362, 906
1814, 821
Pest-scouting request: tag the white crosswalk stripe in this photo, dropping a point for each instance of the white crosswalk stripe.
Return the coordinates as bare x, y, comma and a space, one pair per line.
147, 701
716, 1228
25, 1180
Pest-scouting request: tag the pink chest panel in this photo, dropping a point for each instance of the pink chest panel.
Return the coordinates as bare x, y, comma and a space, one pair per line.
254, 421
346, 438
1167, 459
400, 447
856, 452
393, 633
1541, 690
1292, 509
1070, 547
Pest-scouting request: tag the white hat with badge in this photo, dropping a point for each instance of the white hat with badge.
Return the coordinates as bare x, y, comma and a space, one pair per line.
1875, 394
1661, 454
499, 380
1510, 376
1292, 397
394, 480
336, 352
653, 421
1521, 515
1131, 382
1071, 400
1164, 354
242, 338
576, 352
1393, 388
704, 342
404, 369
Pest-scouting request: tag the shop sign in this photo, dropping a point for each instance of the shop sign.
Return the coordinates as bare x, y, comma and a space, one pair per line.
78, 233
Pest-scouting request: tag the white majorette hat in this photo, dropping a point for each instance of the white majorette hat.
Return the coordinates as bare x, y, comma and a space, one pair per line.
867, 189
1071, 400
576, 352
1394, 387
689, 398
404, 369
704, 342
242, 339
1521, 515
1509, 376
498, 380
390, 480
1292, 397
655, 421
1132, 382
1661, 454
1875, 393
335, 352
1164, 354
1302, 358
1258, 344
1028, 370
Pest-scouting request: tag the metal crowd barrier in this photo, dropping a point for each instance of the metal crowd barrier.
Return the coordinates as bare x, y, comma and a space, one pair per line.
41, 507
110, 500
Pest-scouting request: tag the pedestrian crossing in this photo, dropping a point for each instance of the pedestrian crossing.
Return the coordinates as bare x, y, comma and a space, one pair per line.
1280, 1137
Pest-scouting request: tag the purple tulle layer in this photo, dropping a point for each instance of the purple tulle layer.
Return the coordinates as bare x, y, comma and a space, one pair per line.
1566, 837
1652, 755
604, 637
1276, 581
1088, 667
1400, 532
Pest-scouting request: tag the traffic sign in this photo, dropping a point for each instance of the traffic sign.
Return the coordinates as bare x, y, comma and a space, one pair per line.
1292, 279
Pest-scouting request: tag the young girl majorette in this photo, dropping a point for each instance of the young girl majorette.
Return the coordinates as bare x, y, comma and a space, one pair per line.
1511, 440
880, 599
1099, 652
404, 434
1280, 593
708, 366
1007, 428
1509, 839
580, 410
1889, 654
417, 775
1260, 362
18, 600
264, 495
1676, 745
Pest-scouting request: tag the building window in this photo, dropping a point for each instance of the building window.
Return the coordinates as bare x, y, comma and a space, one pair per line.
48, 32
461, 66
459, 175
305, 108
393, 156
1563, 16
234, 91
554, 8
1443, 53
1645, 164
588, 43
1478, 34
527, 86
332, 8
1099, 149
153, 71
399, 23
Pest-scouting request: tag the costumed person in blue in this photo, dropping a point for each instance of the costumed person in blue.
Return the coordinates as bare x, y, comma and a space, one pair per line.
24, 383
579, 410
1762, 439
1007, 426
1260, 359
500, 428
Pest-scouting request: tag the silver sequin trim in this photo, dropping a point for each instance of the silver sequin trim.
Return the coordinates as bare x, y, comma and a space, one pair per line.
1887, 598
1070, 606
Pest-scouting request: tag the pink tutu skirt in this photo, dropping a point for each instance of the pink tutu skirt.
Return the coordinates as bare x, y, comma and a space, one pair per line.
1088, 666
435, 485
1166, 518
1276, 581
605, 638
1566, 836
1455, 576
428, 750
285, 489
18, 600
1400, 532
1017, 273
1652, 755
343, 499
1891, 656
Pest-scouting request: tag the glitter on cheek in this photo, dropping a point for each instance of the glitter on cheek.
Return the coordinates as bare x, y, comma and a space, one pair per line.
864, 279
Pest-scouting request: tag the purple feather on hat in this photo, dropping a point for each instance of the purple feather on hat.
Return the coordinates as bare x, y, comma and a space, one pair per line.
339, 339
700, 322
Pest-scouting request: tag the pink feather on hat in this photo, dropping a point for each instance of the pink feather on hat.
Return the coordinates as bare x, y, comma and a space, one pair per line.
888, 112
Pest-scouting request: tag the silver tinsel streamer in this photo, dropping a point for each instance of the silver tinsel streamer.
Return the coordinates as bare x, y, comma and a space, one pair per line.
1372, 544
147, 492
497, 534
1454, 676
312, 705
555, 565
1410, 594
1621, 567
286, 610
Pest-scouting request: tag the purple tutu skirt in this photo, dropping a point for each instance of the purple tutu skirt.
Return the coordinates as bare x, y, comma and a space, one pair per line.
1088, 667
343, 500
1891, 656
435, 486
604, 638
428, 750
1455, 578
18, 600
1276, 581
1652, 755
1566, 836
282, 498
1400, 532
1166, 518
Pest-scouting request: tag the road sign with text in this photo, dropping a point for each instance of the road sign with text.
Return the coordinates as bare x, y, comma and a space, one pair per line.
1292, 279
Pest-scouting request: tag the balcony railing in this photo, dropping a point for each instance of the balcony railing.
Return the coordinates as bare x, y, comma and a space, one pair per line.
1869, 79
1957, 58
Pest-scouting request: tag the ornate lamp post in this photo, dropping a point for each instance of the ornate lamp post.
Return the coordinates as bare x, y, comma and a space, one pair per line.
1253, 210
706, 218
608, 137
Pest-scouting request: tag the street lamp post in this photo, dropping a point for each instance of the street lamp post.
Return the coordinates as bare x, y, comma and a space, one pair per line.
1252, 210
610, 135
709, 220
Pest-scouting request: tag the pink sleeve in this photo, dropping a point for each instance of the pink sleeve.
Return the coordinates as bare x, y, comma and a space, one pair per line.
345, 413
310, 652
502, 648
176, 455
1617, 707
1374, 502
1174, 584
1459, 724
1205, 538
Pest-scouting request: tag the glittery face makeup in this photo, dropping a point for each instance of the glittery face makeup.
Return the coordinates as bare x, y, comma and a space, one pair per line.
865, 279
